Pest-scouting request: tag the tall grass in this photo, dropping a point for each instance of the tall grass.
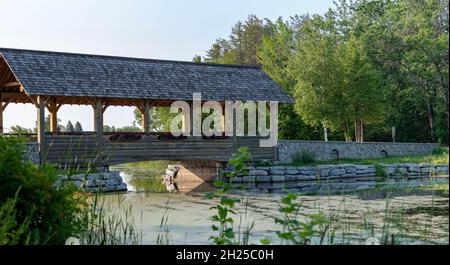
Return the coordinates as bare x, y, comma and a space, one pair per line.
108, 224
164, 237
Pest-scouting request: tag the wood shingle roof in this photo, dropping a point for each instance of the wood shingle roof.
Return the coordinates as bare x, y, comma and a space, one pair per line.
81, 75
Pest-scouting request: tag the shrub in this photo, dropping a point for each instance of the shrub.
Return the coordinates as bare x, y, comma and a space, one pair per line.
303, 157
53, 214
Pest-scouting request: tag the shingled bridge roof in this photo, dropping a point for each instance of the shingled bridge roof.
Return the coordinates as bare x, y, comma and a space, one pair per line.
81, 75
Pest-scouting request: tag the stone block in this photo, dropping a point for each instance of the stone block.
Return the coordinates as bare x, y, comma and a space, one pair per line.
247, 179
277, 178
337, 172
256, 172
290, 177
291, 171
260, 179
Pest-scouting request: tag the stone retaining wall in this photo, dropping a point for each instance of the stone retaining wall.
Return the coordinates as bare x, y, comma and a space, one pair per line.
98, 182
322, 151
338, 172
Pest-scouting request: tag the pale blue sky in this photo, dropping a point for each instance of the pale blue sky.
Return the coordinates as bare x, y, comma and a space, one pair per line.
160, 29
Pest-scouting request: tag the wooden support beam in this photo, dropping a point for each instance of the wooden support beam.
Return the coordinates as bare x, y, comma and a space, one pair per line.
98, 128
52, 107
104, 108
98, 117
11, 84
146, 118
5, 105
41, 127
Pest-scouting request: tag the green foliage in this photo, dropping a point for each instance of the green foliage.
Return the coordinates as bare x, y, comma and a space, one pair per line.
380, 173
52, 214
20, 130
303, 158
242, 44
222, 220
10, 231
296, 231
360, 69
160, 117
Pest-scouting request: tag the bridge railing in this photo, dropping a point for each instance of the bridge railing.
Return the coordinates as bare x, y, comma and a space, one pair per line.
118, 148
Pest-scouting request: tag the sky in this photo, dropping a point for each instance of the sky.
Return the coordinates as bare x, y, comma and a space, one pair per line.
159, 29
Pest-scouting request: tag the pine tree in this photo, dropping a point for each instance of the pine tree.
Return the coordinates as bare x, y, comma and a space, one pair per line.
78, 127
69, 127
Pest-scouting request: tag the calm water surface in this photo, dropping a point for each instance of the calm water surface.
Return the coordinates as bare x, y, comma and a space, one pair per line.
416, 210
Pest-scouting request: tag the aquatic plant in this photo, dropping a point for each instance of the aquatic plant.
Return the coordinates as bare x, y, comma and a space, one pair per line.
222, 221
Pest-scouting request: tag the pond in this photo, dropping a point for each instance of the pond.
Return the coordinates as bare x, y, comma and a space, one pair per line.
403, 212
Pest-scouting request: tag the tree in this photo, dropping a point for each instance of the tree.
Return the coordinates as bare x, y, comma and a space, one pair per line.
197, 59
336, 83
241, 46
69, 127
78, 127
360, 69
274, 54
20, 130
160, 118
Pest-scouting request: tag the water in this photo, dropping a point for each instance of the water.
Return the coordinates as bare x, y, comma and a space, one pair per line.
415, 210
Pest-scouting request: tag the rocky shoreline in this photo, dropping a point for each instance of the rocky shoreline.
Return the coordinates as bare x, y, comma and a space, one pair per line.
96, 182
276, 174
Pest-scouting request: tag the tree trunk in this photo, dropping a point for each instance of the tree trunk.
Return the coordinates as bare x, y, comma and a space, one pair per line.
361, 133
325, 132
347, 135
430, 113
359, 130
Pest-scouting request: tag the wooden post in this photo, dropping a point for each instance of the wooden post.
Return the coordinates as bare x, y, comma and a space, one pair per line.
98, 128
146, 118
53, 116
98, 117
235, 139
222, 121
41, 127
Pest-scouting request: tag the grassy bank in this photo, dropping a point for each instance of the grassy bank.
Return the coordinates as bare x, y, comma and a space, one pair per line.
439, 156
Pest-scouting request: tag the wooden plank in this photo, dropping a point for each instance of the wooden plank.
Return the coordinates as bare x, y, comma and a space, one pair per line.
173, 152
11, 84
167, 146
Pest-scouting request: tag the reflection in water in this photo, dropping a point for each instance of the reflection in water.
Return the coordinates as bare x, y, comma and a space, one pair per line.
421, 213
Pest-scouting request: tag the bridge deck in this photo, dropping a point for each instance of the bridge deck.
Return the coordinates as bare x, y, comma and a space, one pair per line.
76, 150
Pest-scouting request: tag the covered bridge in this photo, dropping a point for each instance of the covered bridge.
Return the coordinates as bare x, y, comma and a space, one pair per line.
49, 80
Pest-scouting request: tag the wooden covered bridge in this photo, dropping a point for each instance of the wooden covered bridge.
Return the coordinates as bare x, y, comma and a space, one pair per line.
49, 80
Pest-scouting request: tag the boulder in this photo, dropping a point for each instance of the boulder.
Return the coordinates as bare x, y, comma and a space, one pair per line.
122, 187
236, 180
290, 177
249, 179
276, 170
262, 179
337, 172
291, 171
277, 178
256, 172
